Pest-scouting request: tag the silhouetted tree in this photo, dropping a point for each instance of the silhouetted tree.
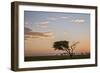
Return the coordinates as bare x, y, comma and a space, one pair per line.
64, 45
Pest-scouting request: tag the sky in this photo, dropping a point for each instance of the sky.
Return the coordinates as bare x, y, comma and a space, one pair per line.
42, 29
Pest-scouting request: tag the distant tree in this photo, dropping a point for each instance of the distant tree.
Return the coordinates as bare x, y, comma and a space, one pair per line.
64, 46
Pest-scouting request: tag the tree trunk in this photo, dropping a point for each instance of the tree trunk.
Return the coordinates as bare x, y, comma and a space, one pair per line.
71, 55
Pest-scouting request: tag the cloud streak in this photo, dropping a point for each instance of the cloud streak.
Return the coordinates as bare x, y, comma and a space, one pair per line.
44, 35
78, 21
56, 18
26, 29
64, 17
28, 33
52, 18
43, 24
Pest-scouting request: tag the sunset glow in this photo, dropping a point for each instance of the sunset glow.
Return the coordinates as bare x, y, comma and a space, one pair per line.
42, 29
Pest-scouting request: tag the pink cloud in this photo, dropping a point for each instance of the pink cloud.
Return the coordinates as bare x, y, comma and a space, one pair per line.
44, 35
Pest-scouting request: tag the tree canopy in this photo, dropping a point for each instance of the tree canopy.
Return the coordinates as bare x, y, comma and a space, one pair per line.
64, 45
61, 45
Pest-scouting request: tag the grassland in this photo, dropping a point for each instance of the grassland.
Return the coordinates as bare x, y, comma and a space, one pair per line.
43, 58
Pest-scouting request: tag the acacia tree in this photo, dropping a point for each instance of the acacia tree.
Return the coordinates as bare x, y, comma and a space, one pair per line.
64, 45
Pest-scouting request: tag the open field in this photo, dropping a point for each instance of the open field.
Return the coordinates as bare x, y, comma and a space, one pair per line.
43, 58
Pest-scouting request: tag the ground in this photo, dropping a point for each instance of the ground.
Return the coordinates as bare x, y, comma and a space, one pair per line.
61, 57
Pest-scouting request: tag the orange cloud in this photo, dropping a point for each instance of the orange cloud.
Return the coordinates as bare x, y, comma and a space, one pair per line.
45, 35
28, 33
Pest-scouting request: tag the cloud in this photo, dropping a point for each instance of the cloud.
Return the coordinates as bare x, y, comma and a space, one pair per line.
26, 23
48, 33
44, 35
43, 24
56, 18
78, 21
28, 33
26, 29
64, 17
52, 18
